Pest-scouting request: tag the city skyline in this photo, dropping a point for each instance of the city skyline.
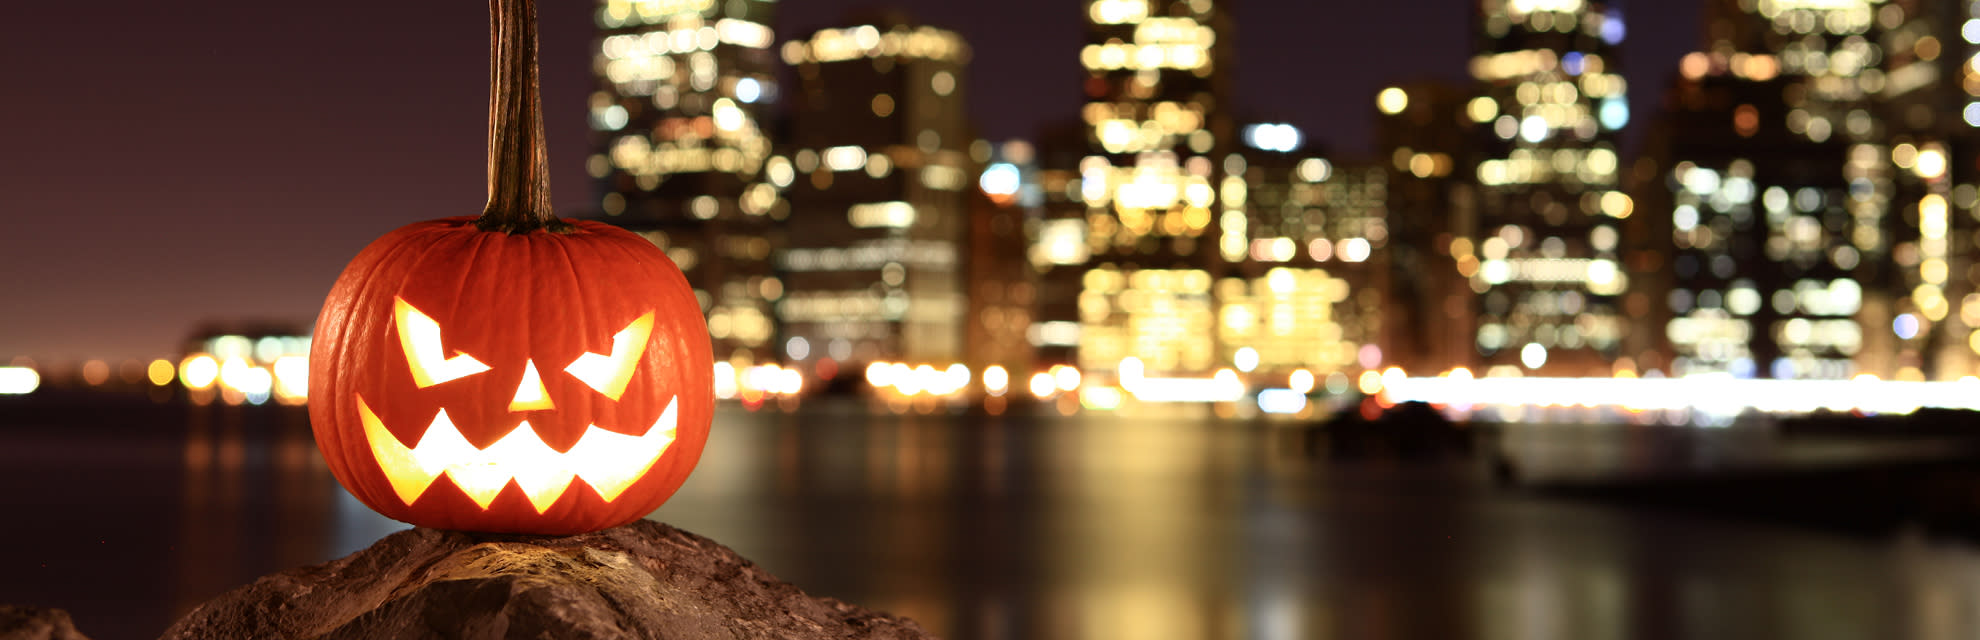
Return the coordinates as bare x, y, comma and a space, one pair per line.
184, 230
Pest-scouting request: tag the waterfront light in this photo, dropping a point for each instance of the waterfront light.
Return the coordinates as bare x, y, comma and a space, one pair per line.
1223, 387
1717, 394
1533, 355
238, 375
1130, 372
725, 380
1100, 398
160, 372
1246, 359
996, 380
291, 379
1067, 378
880, 375
1301, 381
924, 379
1043, 385
1392, 375
16, 381
199, 371
1370, 383
789, 382
956, 377
1281, 401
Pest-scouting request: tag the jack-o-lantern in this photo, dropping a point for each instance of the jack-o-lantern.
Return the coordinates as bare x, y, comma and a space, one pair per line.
512, 372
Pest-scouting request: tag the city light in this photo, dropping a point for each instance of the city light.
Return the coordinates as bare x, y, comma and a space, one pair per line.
1282, 138
17, 381
1300, 381
1224, 387
160, 372
1001, 179
996, 380
1281, 401
1246, 359
727, 386
1065, 378
1717, 394
1043, 385
1369, 383
291, 379
199, 371
928, 380
1392, 100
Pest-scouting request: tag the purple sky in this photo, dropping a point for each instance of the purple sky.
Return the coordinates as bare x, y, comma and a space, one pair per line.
166, 163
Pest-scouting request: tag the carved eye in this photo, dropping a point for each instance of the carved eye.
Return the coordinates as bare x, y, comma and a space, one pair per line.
419, 335
609, 374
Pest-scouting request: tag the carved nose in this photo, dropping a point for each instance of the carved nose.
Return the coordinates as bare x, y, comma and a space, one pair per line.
530, 395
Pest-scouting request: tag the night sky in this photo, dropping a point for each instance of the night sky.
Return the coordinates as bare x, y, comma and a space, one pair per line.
168, 163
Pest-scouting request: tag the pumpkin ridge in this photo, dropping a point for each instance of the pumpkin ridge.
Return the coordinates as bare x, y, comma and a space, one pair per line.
581, 310
342, 395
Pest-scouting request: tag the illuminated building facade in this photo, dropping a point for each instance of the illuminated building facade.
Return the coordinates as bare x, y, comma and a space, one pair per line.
683, 88
1003, 288
1547, 244
878, 176
1307, 292
1821, 207
1059, 248
1931, 106
238, 363
1426, 134
1163, 209
1773, 203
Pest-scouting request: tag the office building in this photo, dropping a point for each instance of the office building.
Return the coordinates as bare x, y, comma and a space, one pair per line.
878, 173
1156, 183
1549, 281
684, 89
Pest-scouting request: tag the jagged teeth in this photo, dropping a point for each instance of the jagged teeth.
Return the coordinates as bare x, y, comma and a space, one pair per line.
608, 461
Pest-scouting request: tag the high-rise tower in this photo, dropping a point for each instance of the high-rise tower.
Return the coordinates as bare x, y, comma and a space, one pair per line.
1775, 189
880, 205
683, 89
1548, 278
1160, 206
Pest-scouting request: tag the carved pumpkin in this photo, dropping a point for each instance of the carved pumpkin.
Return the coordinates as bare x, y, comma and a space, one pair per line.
512, 372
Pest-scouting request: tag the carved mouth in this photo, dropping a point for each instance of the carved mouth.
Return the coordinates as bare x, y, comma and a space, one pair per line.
608, 461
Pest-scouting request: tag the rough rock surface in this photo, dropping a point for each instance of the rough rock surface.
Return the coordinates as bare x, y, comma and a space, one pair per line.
642, 580
36, 623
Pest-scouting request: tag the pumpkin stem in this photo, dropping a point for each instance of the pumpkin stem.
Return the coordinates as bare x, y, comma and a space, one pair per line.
518, 173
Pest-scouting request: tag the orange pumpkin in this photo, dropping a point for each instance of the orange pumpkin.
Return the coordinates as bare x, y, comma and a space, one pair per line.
513, 372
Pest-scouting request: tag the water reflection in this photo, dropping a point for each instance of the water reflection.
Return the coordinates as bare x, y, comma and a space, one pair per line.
1026, 526
254, 494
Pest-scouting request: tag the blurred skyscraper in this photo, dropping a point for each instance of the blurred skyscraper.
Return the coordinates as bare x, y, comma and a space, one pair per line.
1005, 203
683, 90
1427, 138
1756, 166
1307, 292
1930, 108
879, 173
1160, 191
1059, 240
1551, 288
1820, 178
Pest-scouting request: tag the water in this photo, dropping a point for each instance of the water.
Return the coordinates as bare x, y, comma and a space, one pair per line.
1024, 527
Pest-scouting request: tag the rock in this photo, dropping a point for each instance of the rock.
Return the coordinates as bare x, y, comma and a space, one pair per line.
36, 623
642, 580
